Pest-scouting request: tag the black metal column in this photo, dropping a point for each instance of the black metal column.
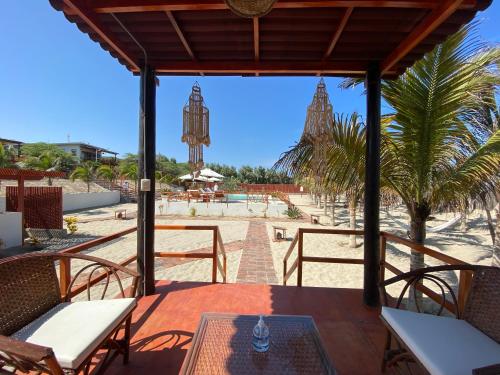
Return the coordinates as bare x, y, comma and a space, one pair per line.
146, 199
372, 188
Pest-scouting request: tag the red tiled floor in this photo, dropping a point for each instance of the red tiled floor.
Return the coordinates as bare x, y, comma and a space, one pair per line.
256, 264
164, 323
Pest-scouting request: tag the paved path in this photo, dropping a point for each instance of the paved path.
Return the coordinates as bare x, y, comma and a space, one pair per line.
256, 264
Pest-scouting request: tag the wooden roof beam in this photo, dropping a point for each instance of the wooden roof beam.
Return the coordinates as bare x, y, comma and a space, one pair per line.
338, 32
262, 67
128, 6
419, 33
256, 38
89, 17
180, 34
256, 41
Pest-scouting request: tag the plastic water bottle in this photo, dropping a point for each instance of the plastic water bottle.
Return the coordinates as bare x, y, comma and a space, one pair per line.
260, 341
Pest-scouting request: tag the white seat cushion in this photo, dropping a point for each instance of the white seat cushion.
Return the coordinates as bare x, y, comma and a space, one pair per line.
73, 330
444, 346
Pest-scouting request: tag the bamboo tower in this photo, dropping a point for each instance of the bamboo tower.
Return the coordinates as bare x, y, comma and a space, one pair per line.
195, 127
317, 129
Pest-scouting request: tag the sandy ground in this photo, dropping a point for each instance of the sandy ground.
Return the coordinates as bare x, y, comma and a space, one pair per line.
473, 246
67, 185
168, 241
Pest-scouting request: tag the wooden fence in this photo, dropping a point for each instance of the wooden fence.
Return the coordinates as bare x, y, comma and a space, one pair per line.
43, 206
217, 248
465, 277
271, 188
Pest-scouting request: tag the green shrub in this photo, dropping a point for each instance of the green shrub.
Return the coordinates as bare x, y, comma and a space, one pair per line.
192, 211
293, 212
71, 224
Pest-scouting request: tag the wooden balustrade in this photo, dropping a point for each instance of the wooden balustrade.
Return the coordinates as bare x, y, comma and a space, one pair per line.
65, 264
465, 277
217, 246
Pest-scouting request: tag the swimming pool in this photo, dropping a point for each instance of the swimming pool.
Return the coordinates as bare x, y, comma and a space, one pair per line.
237, 197
253, 197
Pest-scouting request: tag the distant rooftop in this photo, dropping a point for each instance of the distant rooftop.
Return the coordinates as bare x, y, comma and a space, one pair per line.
10, 141
87, 145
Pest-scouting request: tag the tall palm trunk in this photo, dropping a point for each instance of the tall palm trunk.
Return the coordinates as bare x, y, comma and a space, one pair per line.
352, 221
333, 198
88, 186
418, 234
496, 246
326, 206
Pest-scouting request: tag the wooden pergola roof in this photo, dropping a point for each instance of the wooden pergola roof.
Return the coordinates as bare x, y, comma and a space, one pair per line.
28, 174
309, 37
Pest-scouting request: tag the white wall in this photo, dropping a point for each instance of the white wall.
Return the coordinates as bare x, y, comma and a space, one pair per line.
78, 201
10, 229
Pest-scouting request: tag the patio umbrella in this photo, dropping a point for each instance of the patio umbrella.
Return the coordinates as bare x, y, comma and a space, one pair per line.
207, 172
186, 177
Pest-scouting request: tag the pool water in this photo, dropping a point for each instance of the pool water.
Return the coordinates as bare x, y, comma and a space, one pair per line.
253, 197
237, 197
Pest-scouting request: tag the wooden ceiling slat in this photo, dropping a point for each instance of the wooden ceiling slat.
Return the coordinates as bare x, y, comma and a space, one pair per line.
425, 28
180, 34
239, 67
128, 6
256, 40
336, 35
93, 22
297, 37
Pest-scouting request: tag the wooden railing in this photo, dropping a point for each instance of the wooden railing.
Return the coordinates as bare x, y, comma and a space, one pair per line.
217, 246
65, 264
465, 277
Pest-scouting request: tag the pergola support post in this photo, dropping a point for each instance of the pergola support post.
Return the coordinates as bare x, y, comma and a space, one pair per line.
146, 199
372, 188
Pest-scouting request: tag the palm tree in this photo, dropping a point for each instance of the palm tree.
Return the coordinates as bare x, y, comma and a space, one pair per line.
6, 157
434, 157
107, 172
130, 171
344, 167
85, 172
430, 156
50, 160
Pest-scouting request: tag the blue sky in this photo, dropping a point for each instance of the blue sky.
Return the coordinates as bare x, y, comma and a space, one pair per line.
55, 81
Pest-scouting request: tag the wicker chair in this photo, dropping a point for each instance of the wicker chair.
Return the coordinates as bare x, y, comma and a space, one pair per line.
468, 343
42, 331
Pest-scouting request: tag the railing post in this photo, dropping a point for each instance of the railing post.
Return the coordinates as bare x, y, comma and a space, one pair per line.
214, 256
64, 275
299, 267
464, 283
383, 244
284, 272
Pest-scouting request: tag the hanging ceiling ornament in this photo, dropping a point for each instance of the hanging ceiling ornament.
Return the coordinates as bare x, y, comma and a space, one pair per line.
195, 127
317, 128
250, 8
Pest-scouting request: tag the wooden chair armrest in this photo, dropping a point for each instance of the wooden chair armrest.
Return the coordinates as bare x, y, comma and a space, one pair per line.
113, 267
25, 350
102, 261
488, 370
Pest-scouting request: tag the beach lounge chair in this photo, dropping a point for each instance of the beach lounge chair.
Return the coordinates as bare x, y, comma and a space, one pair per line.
195, 194
42, 331
220, 196
467, 344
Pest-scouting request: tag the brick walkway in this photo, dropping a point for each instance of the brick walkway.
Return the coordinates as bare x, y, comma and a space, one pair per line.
256, 264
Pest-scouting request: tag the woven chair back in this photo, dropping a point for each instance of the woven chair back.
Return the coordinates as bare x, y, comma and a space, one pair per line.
482, 309
29, 288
